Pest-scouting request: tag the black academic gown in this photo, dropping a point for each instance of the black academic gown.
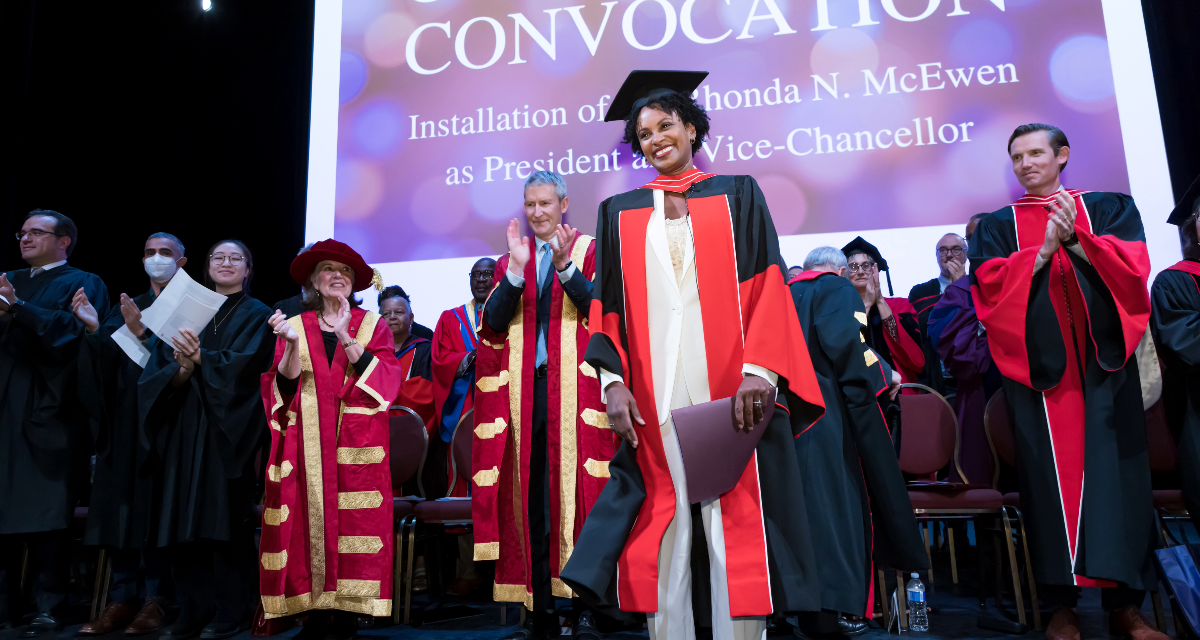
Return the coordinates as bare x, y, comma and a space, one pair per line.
119, 513
203, 435
1175, 321
858, 506
1075, 397
43, 428
923, 297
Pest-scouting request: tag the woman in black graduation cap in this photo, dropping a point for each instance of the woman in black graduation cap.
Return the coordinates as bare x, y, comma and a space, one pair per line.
890, 326
1175, 322
891, 323
201, 412
690, 306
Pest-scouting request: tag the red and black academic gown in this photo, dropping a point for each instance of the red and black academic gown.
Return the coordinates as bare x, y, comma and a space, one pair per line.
923, 297
748, 318
858, 506
455, 335
416, 378
327, 527
416, 393
1064, 339
902, 352
1175, 321
578, 435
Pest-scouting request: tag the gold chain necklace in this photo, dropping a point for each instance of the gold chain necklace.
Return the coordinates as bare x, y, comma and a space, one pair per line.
218, 324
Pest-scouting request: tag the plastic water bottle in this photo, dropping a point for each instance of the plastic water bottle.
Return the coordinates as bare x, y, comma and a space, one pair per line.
918, 617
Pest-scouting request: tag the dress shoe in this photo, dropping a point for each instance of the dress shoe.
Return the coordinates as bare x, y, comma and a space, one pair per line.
116, 616
218, 629
464, 586
185, 628
543, 629
800, 634
148, 620
1063, 625
43, 623
585, 627
852, 627
1128, 622
315, 626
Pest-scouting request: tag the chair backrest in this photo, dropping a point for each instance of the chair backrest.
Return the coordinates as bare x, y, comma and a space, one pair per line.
998, 427
409, 443
460, 450
1159, 441
929, 440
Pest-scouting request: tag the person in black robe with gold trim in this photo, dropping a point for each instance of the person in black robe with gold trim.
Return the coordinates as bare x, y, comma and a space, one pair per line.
858, 506
43, 428
202, 414
120, 514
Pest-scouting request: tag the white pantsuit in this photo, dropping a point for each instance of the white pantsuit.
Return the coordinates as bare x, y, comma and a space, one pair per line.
680, 372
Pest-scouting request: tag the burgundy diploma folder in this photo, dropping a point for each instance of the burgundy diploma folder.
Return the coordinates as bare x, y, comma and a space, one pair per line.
715, 452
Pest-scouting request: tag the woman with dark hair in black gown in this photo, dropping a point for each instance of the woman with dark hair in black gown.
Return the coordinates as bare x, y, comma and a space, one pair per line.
202, 415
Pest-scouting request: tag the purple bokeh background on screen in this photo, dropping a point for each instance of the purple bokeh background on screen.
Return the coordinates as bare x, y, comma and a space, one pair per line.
396, 200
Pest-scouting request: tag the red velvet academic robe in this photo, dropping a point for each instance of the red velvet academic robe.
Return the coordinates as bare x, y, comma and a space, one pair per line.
580, 440
749, 318
327, 522
1064, 338
455, 335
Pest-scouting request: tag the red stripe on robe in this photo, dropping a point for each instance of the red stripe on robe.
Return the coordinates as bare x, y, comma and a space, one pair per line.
1002, 294
761, 310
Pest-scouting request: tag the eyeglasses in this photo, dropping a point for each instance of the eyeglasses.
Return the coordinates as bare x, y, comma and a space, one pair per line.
481, 275
865, 267
36, 233
954, 251
220, 258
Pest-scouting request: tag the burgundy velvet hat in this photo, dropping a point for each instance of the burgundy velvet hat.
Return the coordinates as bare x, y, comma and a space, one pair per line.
364, 275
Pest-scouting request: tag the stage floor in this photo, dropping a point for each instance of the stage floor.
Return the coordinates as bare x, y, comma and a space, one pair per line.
956, 613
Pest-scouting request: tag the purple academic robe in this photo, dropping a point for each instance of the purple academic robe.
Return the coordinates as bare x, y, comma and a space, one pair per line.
963, 347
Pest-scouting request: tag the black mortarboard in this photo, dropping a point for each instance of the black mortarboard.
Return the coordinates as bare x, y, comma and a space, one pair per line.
1187, 204
640, 86
858, 245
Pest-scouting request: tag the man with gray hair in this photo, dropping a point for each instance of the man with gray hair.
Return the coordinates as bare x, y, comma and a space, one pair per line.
826, 259
853, 488
534, 336
951, 253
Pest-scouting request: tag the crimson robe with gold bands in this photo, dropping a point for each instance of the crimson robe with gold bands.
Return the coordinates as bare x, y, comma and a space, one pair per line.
578, 435
327, 518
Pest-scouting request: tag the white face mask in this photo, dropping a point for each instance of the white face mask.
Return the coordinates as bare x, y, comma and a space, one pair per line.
160, 268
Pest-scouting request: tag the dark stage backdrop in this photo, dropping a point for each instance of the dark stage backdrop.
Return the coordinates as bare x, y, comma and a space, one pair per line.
152, 115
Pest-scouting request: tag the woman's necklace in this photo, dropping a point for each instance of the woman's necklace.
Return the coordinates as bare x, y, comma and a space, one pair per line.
218, 324
322, 319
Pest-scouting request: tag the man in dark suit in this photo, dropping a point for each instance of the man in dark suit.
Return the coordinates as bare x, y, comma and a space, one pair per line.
550, 254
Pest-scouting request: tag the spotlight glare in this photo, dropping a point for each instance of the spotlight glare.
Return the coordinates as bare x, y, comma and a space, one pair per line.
206, 5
